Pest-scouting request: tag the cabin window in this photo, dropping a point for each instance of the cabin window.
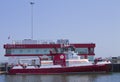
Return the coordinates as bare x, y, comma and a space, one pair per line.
8, 51
28, 50
37, 51
12, 51
82, 50
91, 50
91, 58
21, 50
82, 57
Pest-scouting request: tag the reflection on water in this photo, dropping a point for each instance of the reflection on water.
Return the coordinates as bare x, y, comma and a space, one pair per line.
62, 78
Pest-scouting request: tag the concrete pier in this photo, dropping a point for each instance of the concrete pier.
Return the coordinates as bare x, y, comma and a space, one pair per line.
3, 72
115, 67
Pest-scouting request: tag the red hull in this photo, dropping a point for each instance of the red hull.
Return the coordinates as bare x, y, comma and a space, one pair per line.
78, 69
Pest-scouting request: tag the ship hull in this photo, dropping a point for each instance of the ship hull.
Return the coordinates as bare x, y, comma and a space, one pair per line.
63, 70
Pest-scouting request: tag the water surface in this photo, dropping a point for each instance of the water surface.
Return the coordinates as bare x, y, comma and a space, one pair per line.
103, 77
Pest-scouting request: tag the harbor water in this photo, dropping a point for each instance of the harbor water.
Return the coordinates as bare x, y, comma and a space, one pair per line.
98, 77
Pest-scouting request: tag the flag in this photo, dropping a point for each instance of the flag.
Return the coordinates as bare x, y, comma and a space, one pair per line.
8, 37
32, 3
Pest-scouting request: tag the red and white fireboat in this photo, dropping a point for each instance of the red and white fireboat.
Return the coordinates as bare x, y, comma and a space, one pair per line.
66, 61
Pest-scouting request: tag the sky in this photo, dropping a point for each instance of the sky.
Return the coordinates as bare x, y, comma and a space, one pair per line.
80, 21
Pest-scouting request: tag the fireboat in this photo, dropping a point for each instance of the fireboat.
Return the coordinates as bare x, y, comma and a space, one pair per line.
48, 57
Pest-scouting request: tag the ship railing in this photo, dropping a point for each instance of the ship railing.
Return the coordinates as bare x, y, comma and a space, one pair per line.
33, 42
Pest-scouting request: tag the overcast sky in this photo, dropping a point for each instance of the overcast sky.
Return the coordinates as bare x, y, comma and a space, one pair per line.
81, 21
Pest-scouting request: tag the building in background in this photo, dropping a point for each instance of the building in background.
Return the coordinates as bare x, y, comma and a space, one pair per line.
115, 60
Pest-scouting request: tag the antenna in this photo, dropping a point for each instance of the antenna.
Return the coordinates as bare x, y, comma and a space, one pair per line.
32, 3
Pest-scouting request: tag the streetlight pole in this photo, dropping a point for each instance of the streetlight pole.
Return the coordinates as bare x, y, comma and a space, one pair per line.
32, 3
